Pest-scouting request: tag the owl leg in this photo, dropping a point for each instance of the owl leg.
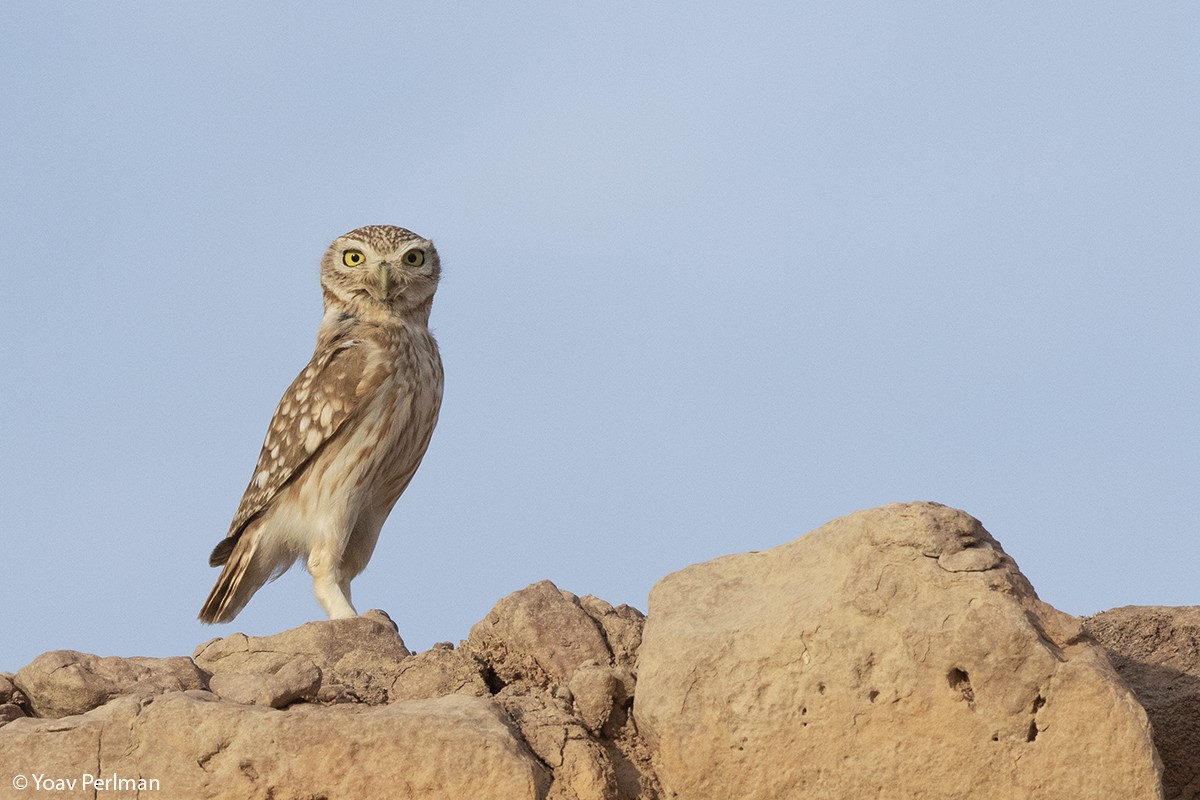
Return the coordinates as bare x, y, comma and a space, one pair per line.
330, 587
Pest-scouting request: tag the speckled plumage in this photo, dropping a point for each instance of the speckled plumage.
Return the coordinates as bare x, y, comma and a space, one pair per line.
350, 431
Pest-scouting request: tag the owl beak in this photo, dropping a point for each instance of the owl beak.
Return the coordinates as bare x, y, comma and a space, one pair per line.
381, 287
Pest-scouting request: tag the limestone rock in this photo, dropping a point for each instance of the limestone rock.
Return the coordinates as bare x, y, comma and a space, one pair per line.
64, 682
596, 692
13, 702
9, 712
897, 652
563, 668
540, 634
437, 672
1157, 652
295, 680
451, 747
357, 659
7, 687
622, 626
582, 769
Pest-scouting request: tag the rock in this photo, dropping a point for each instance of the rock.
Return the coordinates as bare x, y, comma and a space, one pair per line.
562, 667
10, 695
438, 672
581, 768
58, 747
295, 680
622, 628
7, 687
9, 712
897, 652
1157, 652
596, 690
357, 659
451, 747
585, 772
246, 688
12, 700
64, 682
540, 634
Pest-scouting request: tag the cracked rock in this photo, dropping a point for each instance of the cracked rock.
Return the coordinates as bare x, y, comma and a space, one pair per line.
450, 748
596, 689
540, 634
295, 680
60, 683
6, 687
622, 626
357, 659
437, 672
973, 559
894, 653
1157, 651
9, 712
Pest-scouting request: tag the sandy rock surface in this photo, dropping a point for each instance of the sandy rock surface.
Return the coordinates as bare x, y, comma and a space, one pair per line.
342, 709
894, 653
63, 682
1157, 651
897, 652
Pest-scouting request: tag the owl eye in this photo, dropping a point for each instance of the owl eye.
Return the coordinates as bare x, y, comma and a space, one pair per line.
353, 258
415, 257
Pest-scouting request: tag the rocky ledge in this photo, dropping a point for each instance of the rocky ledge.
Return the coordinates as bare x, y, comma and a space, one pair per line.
897, 652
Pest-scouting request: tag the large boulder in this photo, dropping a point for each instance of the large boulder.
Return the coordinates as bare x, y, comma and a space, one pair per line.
1157, 651
897, 652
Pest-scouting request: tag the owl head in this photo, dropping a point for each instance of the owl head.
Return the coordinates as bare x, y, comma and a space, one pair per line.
380, 268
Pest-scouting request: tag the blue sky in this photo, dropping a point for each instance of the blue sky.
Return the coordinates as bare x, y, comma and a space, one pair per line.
714, 275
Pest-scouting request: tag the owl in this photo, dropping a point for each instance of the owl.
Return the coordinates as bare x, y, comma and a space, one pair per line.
350, 431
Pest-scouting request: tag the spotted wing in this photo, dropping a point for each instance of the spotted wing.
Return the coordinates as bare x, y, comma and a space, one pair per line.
318, 404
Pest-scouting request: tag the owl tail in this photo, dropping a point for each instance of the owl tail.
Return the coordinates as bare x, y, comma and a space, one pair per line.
239, 580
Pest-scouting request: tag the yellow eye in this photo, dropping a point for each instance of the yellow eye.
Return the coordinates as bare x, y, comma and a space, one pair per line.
415, 257
353, 258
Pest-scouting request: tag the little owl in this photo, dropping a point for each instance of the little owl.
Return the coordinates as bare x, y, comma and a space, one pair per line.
350, 431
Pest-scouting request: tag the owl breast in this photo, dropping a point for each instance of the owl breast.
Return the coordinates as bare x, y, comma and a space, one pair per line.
411, 403
357, 478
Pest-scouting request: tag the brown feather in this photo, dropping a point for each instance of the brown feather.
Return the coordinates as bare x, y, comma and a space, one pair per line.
336, 373
220, 553
232, 590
